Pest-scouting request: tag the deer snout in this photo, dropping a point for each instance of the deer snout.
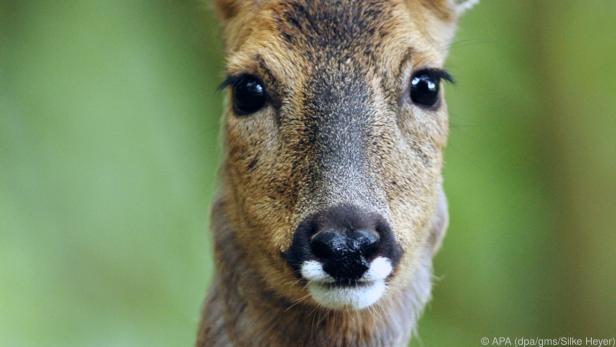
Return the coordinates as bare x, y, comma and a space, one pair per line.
345, 254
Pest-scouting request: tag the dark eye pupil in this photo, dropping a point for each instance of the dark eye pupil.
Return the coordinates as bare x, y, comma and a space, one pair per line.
424, 89
248, 96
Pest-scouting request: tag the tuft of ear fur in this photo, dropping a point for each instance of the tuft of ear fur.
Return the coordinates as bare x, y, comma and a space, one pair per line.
459, 6
447, 10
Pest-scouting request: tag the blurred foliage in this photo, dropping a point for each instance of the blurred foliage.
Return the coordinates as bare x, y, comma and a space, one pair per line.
108, 156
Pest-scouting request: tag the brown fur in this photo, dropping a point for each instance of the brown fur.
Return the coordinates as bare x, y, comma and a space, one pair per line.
272, 178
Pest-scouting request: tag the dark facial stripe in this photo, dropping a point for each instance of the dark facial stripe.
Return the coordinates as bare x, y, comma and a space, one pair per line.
337, 114
319, 24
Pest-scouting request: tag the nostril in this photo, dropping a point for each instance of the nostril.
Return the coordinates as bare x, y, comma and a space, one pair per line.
365, 241
327, 244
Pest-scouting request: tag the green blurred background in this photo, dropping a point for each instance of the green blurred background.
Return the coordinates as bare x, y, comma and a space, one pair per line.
109, 148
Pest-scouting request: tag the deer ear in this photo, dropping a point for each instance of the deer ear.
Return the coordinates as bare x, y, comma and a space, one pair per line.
227, 9
460, 6
448, 10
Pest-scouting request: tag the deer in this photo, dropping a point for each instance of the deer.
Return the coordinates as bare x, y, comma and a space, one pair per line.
330, 204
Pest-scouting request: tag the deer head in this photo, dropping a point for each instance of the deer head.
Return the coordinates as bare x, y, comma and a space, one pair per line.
333, 144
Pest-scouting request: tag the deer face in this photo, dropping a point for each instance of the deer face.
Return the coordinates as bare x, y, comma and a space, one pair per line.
333, 138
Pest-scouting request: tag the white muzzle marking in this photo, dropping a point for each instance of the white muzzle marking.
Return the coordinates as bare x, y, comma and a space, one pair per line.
369, 289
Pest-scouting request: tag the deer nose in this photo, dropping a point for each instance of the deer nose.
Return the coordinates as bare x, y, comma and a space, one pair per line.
344, 244
345, 254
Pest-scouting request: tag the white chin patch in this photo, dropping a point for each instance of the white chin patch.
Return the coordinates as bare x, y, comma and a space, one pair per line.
369, 289
357, 297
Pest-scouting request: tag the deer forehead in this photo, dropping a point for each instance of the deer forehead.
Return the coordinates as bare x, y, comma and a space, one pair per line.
298, 36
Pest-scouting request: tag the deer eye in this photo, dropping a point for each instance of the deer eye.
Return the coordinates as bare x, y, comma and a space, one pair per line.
425, 86
248, 95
